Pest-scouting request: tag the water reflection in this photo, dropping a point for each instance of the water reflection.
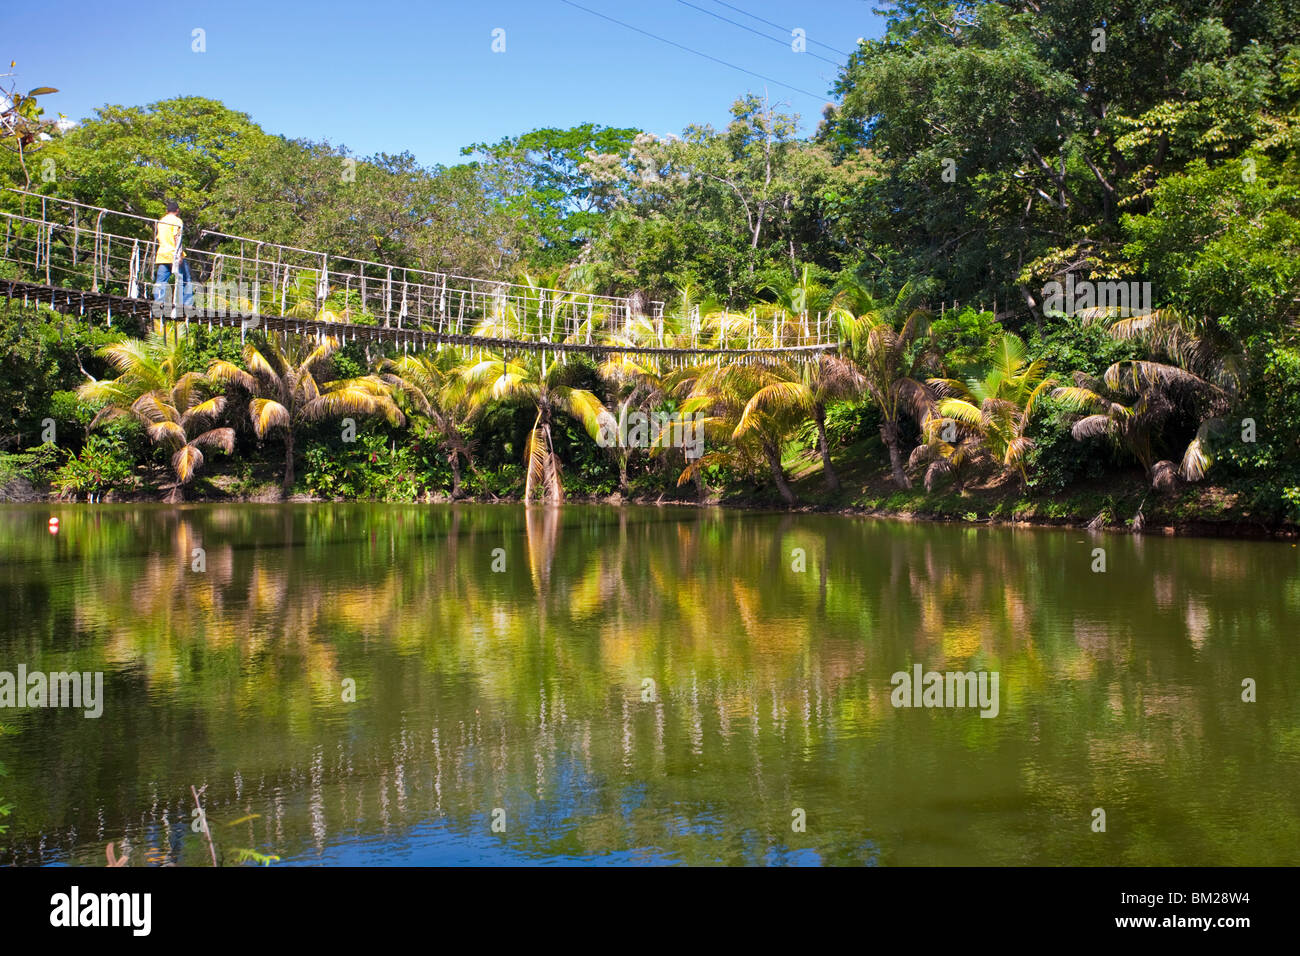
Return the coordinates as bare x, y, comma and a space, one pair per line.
641, 685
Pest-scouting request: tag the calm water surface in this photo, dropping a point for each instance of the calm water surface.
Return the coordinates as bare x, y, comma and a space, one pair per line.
641, 685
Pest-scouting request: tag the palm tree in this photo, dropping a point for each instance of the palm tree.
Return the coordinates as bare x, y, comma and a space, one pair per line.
635, 383
758, 405
798, 295
941, 457
1191, 358
725, 392
174, 406
888, 362
428, 385
996, 407
533, 380
281, 376
807, 388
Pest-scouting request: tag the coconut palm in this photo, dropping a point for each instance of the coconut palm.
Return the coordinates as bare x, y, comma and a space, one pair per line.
635, 383
947, 457
995, 407
808, 388
724, 392
175, 406
889, 363
281, 375
428, 386
491, 379
1192, 360
798, 295
756, 405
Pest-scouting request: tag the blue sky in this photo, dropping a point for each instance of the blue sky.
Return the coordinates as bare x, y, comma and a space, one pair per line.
377, 75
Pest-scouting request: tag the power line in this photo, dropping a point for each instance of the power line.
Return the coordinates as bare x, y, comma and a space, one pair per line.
765, 36
654, 36
777, 25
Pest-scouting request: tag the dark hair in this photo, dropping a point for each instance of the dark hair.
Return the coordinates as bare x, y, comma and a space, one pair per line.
172, 206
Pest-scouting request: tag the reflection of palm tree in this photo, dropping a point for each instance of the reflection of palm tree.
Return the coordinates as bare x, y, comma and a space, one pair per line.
541, 526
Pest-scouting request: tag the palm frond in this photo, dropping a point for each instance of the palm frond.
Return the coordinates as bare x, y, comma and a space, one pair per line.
267, 414
187, 460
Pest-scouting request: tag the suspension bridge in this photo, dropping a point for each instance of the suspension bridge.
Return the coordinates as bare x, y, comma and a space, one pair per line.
92, 262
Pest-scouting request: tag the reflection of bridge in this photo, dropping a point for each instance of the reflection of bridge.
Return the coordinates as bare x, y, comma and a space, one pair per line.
61, 254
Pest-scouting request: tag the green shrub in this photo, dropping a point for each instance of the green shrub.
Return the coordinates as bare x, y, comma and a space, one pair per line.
848, 423
965, 339
1057, 460
375, 467
103, 464
33, 465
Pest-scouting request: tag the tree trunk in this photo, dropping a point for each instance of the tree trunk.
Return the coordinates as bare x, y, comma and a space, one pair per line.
553, 479
889, 433
622, 474
454, 459
288, 462
832, 479
778, 474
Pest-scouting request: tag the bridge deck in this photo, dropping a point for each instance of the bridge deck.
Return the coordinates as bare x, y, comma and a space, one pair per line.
143, 311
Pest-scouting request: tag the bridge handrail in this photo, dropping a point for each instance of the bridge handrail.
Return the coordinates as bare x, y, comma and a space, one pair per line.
656, 306
529, 316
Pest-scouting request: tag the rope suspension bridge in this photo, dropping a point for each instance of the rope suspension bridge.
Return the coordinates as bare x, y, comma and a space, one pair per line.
90, 261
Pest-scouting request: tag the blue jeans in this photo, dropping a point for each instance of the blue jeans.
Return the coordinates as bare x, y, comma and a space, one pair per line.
162, 278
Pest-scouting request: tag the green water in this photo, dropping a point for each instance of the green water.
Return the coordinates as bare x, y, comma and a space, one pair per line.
524, 697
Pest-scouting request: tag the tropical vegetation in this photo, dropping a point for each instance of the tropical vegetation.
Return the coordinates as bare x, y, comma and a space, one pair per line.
920, 225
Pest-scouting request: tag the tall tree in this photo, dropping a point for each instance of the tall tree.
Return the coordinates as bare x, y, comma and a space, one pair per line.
891, 360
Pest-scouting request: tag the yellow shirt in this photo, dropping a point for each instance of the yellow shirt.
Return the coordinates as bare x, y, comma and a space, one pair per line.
168, 232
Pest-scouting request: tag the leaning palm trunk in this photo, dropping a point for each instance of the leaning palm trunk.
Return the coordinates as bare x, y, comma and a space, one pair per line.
832, 479
542, 462
778, 473
288, 463
891, 435
553, 466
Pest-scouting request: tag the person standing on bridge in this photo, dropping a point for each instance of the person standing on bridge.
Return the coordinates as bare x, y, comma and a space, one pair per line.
171, 257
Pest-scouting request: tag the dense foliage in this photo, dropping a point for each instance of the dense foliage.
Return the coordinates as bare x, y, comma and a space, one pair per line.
977, 153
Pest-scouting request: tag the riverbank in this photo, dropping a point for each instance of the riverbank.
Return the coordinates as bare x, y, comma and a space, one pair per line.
1117, 503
